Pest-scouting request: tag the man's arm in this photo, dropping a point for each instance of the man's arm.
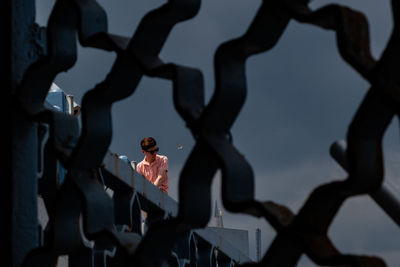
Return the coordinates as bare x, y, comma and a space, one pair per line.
162, 173
162, 176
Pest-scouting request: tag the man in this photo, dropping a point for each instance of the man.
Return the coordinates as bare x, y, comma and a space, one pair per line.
153, 167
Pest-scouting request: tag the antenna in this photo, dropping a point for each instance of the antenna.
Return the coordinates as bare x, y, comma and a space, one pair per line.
218, 216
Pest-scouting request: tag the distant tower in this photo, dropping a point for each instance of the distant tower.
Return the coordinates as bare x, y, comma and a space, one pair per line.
258, 244
218, 216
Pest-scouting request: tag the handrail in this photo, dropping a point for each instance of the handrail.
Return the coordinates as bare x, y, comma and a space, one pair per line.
123, 176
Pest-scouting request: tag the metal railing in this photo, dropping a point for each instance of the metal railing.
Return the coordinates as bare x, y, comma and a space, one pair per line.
132, 193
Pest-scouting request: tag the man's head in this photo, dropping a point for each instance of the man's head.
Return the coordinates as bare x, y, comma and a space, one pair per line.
149, 148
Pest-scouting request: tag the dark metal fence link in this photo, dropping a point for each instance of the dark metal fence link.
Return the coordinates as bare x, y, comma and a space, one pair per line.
387, 197
83, 221
306, 231
81, 198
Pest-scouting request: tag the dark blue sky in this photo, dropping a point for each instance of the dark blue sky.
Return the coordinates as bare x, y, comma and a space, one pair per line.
301, 97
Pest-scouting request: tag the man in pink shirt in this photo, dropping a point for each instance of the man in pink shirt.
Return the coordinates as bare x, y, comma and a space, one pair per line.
153, 167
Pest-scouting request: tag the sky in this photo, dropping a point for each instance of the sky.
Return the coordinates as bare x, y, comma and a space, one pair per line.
301, 97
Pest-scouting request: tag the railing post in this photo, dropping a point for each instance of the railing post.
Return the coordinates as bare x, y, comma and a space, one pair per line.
205, 253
